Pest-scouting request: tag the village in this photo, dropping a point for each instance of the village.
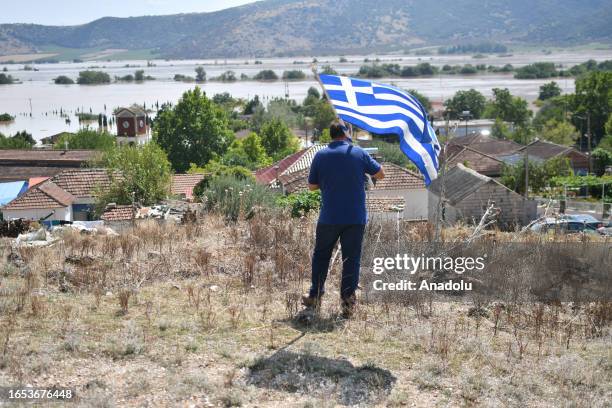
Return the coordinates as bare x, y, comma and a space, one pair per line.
56, 186
305, 203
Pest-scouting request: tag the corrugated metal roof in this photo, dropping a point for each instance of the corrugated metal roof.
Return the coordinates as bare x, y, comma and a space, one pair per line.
268, 175
459, 182
481, 162
547, 150
305, 160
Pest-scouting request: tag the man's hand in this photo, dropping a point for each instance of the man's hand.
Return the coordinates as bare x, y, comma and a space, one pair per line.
380, 175
313, 187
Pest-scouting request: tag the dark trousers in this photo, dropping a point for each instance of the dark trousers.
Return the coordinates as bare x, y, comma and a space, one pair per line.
351, 238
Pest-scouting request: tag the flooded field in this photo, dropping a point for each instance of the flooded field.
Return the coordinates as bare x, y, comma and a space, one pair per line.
36, 100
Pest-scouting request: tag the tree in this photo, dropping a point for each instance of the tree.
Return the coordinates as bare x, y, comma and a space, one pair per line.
195, 130
423, 100
277, 139
602, 158
594, 99
25, 138
63, 80
85, 139
556, 108
266, 75
227, 76
137, 173
325, 136
251, 105
248, 152
537, 70
509, 108
563, 133
470, 100
6, 79
606, 143
293, 75
200, 74
322, 115
313, 92
549, 90
540, 175
328, 70
500, 130
93, 77
20, 140
139, 75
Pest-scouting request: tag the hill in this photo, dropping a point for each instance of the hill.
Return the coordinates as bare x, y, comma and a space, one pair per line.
305, 27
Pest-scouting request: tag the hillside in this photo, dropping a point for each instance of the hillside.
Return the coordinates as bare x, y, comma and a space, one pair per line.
303, 27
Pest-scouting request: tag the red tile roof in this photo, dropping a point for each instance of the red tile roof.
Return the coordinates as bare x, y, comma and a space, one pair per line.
385, 204
118, 213
61, 190
268, 174
399, 178
83, 182
184, 184
45, 195
296, 181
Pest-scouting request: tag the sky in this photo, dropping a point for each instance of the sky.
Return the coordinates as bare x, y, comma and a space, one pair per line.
69, 12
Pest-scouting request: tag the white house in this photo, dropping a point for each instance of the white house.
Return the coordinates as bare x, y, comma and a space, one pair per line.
68, 196
401, 183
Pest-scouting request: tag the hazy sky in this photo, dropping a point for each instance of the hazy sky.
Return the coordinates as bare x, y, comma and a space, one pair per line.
67, 12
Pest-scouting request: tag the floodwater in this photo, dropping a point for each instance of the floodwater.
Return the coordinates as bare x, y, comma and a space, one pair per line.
36, 100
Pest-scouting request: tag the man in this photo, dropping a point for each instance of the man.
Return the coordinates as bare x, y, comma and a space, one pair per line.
339, 170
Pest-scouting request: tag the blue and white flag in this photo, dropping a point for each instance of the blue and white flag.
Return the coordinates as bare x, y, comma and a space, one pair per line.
385, 109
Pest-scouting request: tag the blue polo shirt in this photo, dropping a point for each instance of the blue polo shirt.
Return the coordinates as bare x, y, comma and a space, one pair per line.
339, 170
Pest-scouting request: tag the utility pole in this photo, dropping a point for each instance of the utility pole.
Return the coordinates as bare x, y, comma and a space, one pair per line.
589, 140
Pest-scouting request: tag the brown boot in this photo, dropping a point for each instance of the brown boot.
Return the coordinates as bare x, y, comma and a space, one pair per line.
348, 306
313, 303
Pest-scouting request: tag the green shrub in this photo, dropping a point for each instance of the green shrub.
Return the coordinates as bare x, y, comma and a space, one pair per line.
301, 203
93, 77
236, 198
266, 75
294, 75
63, 80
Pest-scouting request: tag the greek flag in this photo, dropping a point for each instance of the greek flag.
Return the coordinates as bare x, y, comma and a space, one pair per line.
384, 109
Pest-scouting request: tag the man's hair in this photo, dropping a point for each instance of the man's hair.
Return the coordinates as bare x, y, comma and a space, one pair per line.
336, 131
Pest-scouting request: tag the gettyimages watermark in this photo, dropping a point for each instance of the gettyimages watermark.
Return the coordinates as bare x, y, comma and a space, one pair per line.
492, 271
411, 265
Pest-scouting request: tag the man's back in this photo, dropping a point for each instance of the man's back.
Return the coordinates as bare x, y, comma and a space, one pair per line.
339, 170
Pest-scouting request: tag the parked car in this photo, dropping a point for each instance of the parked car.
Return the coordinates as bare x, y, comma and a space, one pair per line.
584, 218
606, 230
562, 225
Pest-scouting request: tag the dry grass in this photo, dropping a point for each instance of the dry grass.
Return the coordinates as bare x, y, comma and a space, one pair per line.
204, 314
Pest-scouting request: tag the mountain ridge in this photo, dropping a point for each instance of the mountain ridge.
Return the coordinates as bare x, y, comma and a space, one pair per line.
307, 27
